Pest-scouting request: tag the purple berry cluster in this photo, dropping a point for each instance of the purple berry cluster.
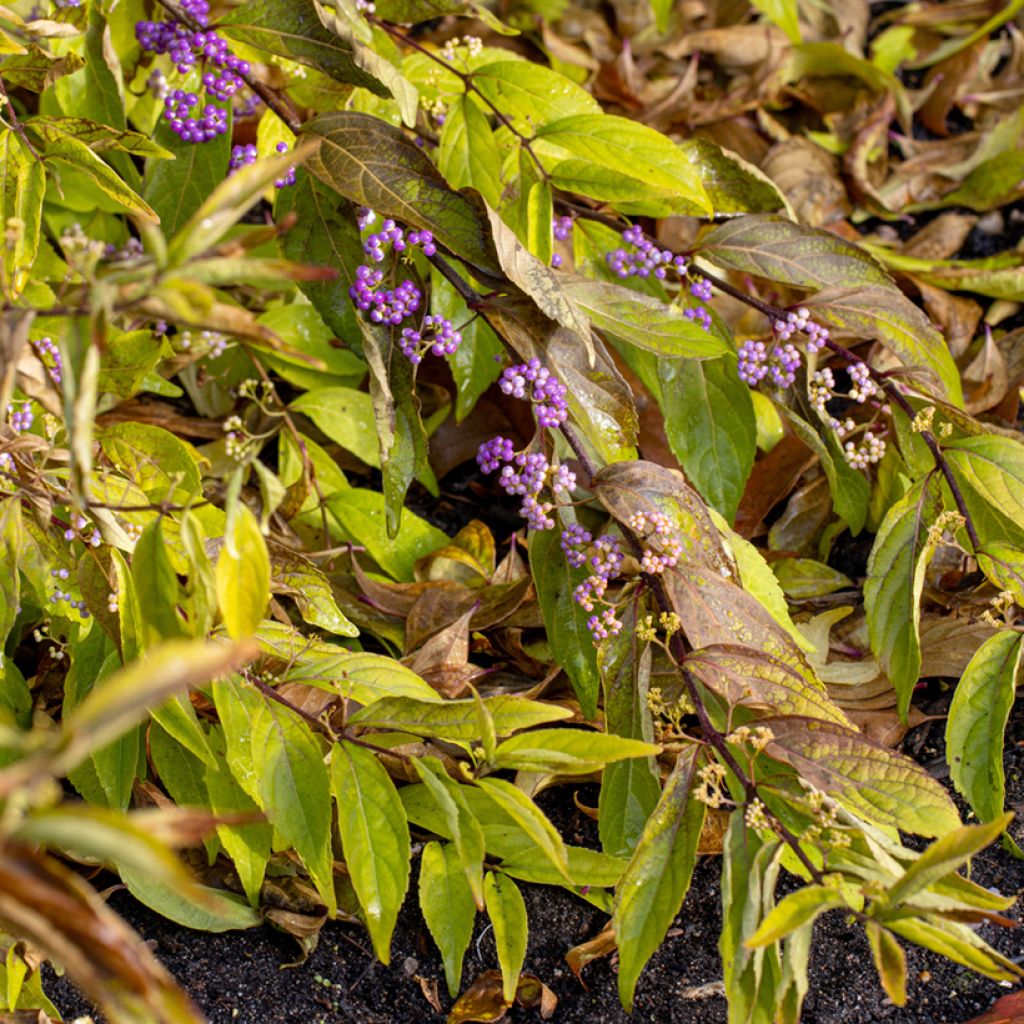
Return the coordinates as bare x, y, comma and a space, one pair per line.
59, 595
662, 545
82, 529
574, 540
241, 156
222, 78
49, 355
390, 306
757, 361
535, 383
526, 474
800, 320
20, 419
441, 339
643, 258
605, 563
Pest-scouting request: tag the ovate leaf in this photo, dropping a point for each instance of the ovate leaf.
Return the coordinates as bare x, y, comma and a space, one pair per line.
374, 838
892, 591
447, 905
507, 911
777, 249
870, 779
564, 619
292, 786
977, 721
888, 316
656, 880
243, 574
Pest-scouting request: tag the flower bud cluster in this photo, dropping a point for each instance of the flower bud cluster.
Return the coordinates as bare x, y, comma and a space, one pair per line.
535, 383
711, 790
870, 451
662, 545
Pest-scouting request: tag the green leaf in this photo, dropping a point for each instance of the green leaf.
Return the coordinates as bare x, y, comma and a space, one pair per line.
850, 490
456, 720
888, 316
630, 788
777, 249
362, 516
22, 189
797, 909
67, 150
784, 14
310, 589
248, 845
993, 467
462, 826
640, 320
564, 620
401, 435
636, 153
447, 905
374, 838
958, 943
710, 426
959, 42
531, 819
293, 787
507, 911
892, 590
214, 911
156, 460
243, 574
156, 586
750, 867
37, 70
656, 880
374, 164
732, 185
992, 183
476, 364
890, 962
873, 781
468, 154
567, 751
293, 30
943, 857
743, 675
531, 95
325, 234
177, 188
346, 417
805, 578
977, 721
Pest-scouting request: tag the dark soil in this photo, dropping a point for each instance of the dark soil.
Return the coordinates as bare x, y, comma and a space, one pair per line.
239, 977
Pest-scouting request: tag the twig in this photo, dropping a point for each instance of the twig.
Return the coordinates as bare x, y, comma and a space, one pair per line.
277, 101
268, 691
16, 125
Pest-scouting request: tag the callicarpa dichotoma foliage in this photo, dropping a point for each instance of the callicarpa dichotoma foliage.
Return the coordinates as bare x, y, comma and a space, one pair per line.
265, 267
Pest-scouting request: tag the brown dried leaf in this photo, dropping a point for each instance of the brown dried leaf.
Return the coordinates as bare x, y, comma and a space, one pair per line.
771, 479
986, 379
483, 1001
957, 315
593, 949
941, 238
809, 178
532, 993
